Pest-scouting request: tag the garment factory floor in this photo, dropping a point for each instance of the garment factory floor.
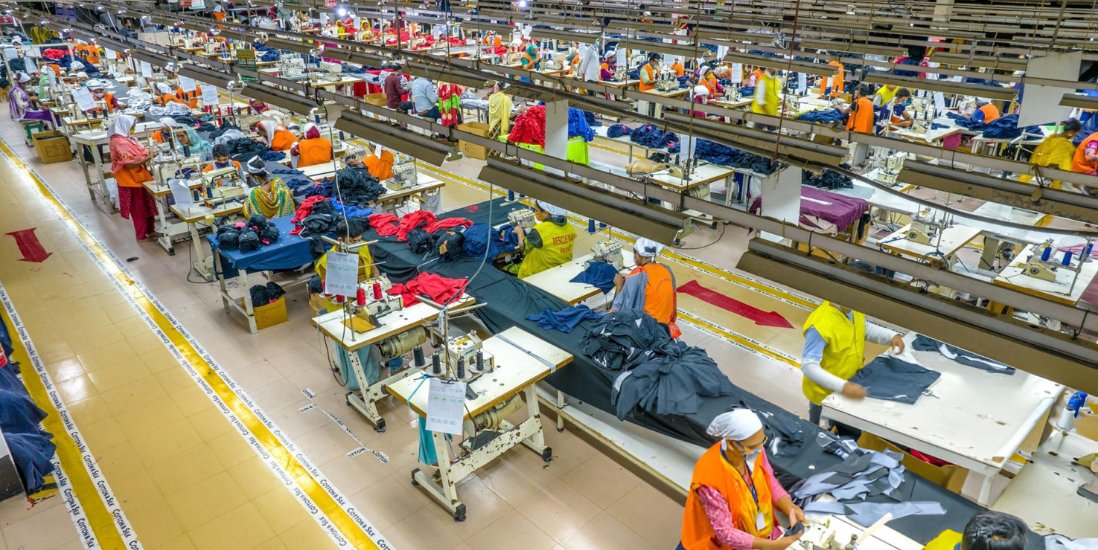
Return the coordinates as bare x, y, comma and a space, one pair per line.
186, 478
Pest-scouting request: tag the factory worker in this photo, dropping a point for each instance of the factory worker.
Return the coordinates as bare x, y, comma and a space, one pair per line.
572, 60
650, 286
734, 494
20, 100
834, 351
76, 67
609, 65
753, 77
986, 111
190, 98
530, 60
350, 230
549, 243
862, 114
701, 95
166, 95
987, 530
885, 94
312, 149
269, 195
1057, 151
589, 64
99, 92
500, 107
221, 160
677, 68
708, 78
219, 12
766, 100
274, 135
832, 86
1085, 160
128, 164
897, 114
650, 73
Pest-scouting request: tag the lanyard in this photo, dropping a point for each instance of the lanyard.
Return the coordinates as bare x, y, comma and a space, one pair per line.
751, 485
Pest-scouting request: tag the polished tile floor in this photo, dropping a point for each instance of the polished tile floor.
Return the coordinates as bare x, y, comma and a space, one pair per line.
185, 478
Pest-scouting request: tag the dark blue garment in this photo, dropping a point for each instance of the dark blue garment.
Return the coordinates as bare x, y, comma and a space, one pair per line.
274, 155
288, 252
5, 339
18, 412
597, 274
747, 91
1006, 127
89, 67
350, 211
727, 156
909, 61
966, 358
826, 116
577, 125
591, 119
503, 240
649, 135
564, 320
32, 453
618, 130
892, 379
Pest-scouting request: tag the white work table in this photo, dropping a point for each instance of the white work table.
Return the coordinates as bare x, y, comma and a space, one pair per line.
1003, 212
932, 135
1061, 290
1044, 492
951, 240
557, 280
974, 419
521, 360
699, 175
877, 198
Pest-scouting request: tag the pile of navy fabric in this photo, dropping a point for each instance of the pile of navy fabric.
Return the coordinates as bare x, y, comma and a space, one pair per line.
726, 156
300, 186
1006, 127
274, 156
31, 447
243, 149
828, 179
564, 320
248, 235
747, 91
481, 236
219, 131
825, 116
649, 135
591, 119
266, 294
618, 130
357, 186
269, 54
578, 126
322, 219
659, 374
89, 68
893, 379
966, 123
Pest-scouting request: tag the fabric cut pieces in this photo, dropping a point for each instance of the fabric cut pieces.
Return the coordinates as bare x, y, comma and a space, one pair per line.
564, 320
597, 274
966, 358
892, 379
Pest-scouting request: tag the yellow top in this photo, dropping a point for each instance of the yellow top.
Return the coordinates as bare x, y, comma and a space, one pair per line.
844, 354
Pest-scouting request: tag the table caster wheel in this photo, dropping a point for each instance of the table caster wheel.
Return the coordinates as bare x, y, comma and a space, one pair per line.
380, 426
459, 514
347, 398
414, 482
547, 455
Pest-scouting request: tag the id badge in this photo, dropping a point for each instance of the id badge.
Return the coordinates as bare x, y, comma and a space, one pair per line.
760, 522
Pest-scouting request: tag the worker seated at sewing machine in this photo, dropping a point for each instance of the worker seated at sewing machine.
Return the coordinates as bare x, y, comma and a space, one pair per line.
269, 195
734, 493
548, 243
221, 161
349, 231
274, 135
311, 149
100, 93
897, 114
985, 112
609, 68
166, 96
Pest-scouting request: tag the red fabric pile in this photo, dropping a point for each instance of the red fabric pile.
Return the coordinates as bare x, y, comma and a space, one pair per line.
411, 221
438, 289
529, 127
387, 224
55, 54
448, 223
384, 223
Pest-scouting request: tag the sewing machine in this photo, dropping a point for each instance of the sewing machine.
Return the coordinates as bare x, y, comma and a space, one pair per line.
404, 175
211, 47
220, 176
608, 252
967, 105
465, 358
924, 230
291, 66
893, 164
731, 93
523, 218
668, 81
331, 68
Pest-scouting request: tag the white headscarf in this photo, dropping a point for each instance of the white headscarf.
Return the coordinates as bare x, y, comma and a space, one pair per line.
24, 77
96, 84
737, 425
268, 127
76, 66
552, 209
122, 126
256, 165
17, 40
702, 92
82, 74
163, 88
647, 248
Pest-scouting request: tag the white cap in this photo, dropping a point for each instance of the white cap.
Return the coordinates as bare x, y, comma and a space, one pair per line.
700, 91
647, 248
163, 88
737, 425
76, 66
24, 77
552, 210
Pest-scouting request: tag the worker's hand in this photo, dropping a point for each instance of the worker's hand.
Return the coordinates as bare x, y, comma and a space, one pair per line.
519, 231
796, 515
897, 344
619, 280
786, 542
854, 391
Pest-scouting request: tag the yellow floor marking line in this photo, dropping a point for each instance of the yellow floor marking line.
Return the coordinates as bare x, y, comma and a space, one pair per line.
79, 480
328, 507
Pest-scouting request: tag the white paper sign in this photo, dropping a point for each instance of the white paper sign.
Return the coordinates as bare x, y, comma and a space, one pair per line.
198, 4
182, 195
939, 102
10, 53
445, 406
342, 276
526, 31
323, 19
109, 53
209, 95
802, 83
186, 83
83, 99
621, 57
31, 66
146, 69
356, 22
737, 73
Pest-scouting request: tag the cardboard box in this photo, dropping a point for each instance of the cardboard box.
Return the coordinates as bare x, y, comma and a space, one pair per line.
269, 315
469, 149
52, 147
376, 99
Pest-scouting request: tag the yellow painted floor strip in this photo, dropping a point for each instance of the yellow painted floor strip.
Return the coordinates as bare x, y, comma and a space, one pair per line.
70, 457
304, 481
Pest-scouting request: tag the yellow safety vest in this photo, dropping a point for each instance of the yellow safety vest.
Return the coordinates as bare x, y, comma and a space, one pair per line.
887, 94
845, 351
947, 540
556, 248
773, 100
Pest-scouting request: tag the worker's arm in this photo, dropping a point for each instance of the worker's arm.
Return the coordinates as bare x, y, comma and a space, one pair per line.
878, 100
811, 356
720, 518
884, 336
760, 92
534, 238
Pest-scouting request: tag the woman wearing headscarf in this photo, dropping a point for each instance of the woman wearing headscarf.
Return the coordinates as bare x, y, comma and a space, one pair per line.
221, 161
609, 65
167, 96
701, 95
99, 92
500, 107
21, 107
549, 243
734, 494
269, 195
128, 160
649, 287
530, 61
311, 149
275, 136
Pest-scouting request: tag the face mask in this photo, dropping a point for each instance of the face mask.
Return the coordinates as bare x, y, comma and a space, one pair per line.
752, 458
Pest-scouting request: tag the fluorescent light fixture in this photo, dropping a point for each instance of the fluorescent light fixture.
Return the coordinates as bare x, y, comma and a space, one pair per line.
414, 145
944, 86
361, 58
1081, 101
274, 96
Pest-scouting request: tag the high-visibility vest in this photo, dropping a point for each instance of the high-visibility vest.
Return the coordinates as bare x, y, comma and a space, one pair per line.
651, 84
313, 151
556, 248
844, 354
771, 97
714, 471
861, 116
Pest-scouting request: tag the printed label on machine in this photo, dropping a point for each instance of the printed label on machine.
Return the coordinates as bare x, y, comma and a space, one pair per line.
445, 406
342, 276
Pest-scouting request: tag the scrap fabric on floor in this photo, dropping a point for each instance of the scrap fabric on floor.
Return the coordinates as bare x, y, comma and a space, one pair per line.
966, 358
564, 320
893, 379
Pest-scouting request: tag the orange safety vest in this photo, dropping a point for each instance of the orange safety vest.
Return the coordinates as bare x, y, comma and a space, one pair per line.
836, 82
659, 292
313, 151
528, 61
108, 98
861, 116
1080, 163
678, 68
647, 68
284, 139
191, 98
754, 77
91, 53
169, 98
210, 168
219, 16
56, 69
990, 111
714, 471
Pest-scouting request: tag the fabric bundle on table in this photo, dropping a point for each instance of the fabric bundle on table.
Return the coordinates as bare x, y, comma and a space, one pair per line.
350, 211
31, 447
578, 126
226, 127
321, 219
597, 274
1006, 127
160, 111
411, 221
618, 130
660, 375
274, 156
726, 156
828, 179
243, 149
894, 379
649, 135
357, 186
420, 241
966, 358
529, 127
828, 116
248, 235
266, 294
438, 289
564, 320
591, 121
449, 243
480, 237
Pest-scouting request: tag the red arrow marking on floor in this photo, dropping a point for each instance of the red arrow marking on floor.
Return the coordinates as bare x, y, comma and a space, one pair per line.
760, 317
29, 246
